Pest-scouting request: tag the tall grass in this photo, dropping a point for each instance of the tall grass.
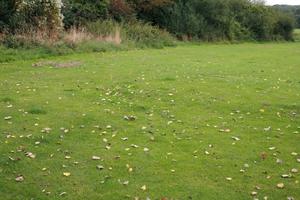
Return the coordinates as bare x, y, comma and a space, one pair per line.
93, 37
141, 34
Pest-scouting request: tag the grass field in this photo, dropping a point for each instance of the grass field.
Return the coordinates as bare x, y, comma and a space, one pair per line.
191, 122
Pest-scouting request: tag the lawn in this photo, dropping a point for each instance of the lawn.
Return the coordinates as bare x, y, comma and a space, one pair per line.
191, 122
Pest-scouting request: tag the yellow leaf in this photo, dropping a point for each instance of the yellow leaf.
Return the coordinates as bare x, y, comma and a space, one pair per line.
67, 174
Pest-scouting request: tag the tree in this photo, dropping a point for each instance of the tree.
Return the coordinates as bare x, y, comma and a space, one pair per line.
79, 12
17, 15
120, 10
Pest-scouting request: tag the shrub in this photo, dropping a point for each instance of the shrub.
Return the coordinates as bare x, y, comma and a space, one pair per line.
80, 12
140, 34
17, 41
284, 27
220, 20
27, 15
104, 28
145, 35
120, 10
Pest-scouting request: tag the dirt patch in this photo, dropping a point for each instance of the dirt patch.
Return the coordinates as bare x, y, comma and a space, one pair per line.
57, 64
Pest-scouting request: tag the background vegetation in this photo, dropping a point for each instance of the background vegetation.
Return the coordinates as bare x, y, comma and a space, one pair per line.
59, 27
291, 10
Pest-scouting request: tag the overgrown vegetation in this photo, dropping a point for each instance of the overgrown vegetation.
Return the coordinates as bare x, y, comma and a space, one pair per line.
212, 20
290, 10
99, 36
73, 25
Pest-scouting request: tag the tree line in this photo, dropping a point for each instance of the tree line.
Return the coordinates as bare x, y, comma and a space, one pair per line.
290, 10
208, 20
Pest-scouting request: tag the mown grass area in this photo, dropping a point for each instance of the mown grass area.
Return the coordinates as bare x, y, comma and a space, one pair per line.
191, 122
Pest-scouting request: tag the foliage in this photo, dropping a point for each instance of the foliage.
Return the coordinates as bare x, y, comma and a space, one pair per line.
7, 11
79, 12
100, 36
120, 10
219, 19
25, 15
207, 20
145, 35
291, 10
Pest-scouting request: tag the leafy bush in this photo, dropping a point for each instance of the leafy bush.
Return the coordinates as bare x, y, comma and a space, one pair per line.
135, 32
7, 10
80, 12
220, 20
40, 15
104, 28
145, 35
120, 10
138, 21
284, 27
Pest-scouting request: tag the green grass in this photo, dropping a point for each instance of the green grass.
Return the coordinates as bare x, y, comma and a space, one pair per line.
46, 51
297, 35
183, 97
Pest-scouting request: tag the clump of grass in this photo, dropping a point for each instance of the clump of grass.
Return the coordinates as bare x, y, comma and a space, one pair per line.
140, 34
169, 79
100, 36
37, 111
7, 100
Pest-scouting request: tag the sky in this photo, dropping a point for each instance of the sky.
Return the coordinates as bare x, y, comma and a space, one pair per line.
290, 2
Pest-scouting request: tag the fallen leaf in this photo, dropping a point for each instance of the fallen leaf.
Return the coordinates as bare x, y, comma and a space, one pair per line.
96, 158
134, 146
253, 193
144, 187
130, 118
8, 118
285, 176
62, 194
235, 138
263, 155
280, 185
30, 155
294, 170
19, 178
100, 167
67, 174
125, 182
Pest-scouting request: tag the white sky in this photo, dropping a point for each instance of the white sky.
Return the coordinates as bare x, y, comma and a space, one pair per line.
290, 2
